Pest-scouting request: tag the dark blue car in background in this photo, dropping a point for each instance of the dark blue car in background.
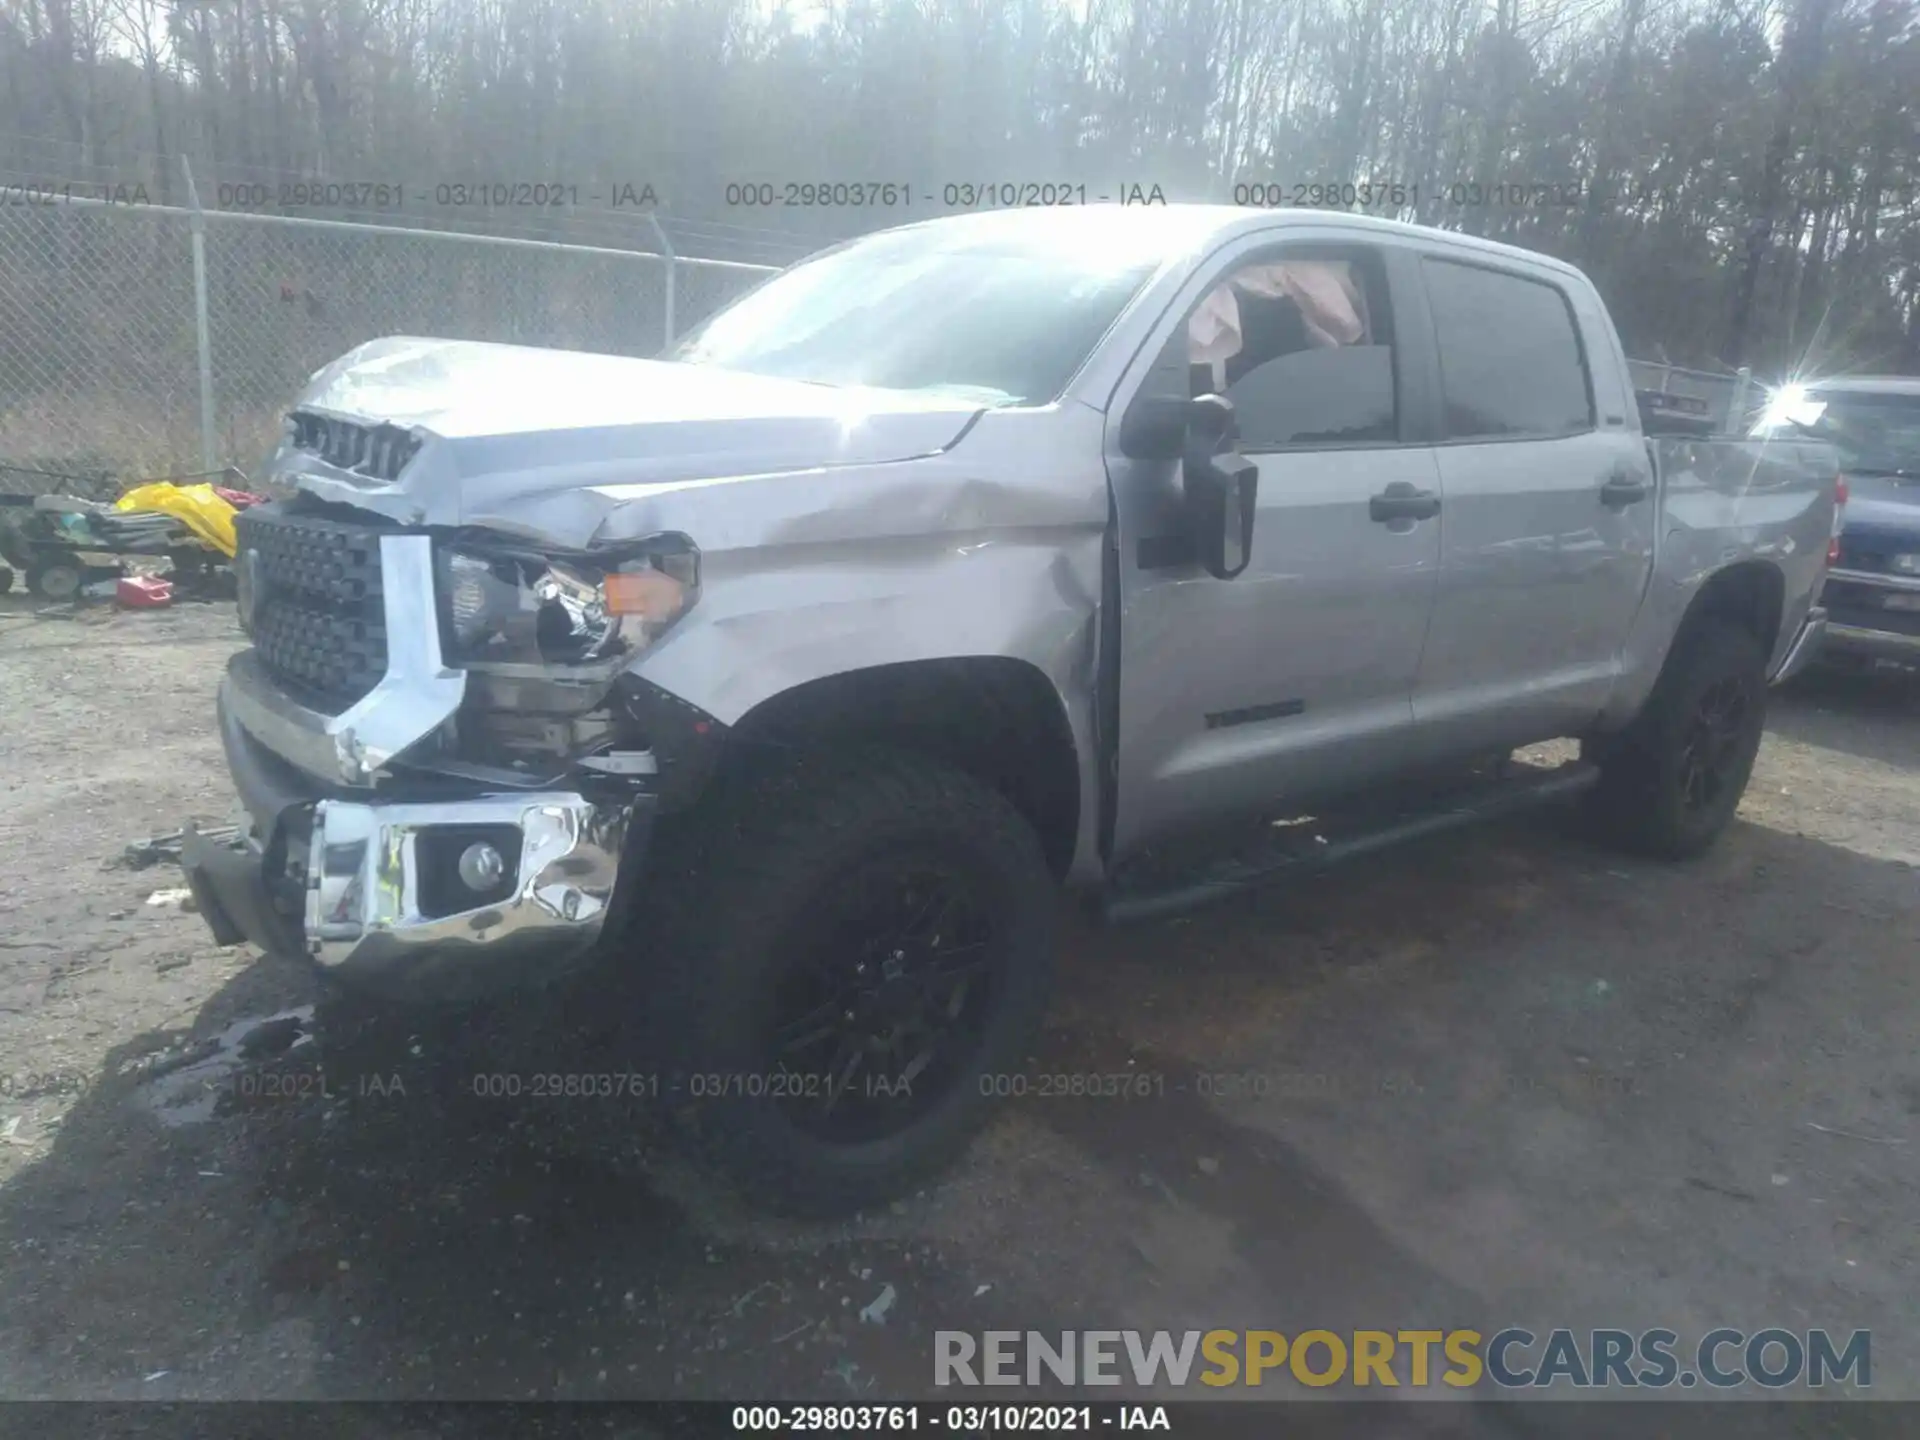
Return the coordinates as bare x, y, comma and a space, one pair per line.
1873, 589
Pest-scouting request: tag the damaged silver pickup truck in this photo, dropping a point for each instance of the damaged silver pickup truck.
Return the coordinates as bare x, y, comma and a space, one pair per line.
790, 675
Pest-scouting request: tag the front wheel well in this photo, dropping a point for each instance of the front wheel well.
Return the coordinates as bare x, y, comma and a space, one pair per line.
993, 717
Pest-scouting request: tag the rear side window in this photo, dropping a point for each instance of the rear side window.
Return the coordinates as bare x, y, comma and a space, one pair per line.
1510, 361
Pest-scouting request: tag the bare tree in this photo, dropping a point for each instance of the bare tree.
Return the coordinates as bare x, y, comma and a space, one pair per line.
1745, 167
1799, 57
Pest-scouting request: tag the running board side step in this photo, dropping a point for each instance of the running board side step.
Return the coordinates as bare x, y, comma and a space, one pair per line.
1490, 802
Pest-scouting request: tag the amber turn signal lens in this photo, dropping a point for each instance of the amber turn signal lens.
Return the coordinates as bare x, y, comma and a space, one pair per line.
646, 593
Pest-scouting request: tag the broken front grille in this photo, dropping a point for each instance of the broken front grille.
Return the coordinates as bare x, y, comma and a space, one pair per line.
379, 452
312, 602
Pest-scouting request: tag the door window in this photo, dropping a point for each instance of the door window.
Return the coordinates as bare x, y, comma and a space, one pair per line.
1510, 357
1303, 347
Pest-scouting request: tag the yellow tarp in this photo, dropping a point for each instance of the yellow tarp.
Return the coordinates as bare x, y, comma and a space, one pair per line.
202, 511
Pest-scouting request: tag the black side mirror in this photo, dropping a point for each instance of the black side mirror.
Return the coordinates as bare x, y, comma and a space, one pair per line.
1222, 488
1155, 427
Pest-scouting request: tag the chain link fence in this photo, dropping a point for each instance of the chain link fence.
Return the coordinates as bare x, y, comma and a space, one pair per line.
102, 338
97, 343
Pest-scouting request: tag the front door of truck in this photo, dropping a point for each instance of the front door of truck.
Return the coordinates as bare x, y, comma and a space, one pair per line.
1294, 679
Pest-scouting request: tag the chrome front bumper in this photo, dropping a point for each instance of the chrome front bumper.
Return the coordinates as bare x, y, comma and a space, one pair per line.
378, 896
373, 895
365, 882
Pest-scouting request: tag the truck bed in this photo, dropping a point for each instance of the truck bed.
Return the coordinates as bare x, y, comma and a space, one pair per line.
1725, 499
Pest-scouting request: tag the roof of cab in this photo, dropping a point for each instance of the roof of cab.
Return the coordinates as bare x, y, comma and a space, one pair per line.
1185, 225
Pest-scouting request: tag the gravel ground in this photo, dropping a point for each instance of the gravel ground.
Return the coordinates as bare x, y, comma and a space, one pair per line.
1501, 1078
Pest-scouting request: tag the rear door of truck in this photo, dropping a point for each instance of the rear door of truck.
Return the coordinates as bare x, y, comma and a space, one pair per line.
1547, 540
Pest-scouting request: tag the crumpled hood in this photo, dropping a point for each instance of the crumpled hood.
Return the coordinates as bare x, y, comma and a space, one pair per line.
505, 424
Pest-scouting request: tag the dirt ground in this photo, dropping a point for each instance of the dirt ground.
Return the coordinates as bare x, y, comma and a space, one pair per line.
1500, 1078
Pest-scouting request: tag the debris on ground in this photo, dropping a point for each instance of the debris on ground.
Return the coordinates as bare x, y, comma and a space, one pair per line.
279, 1033
740, 1301
848, 1372
104, 1196
153, 850
1854, 1134
875, 1312
177, 897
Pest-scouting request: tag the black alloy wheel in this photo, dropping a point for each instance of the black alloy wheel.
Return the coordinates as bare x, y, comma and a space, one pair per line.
1710, 756
1671, 781
847, 954
884, 999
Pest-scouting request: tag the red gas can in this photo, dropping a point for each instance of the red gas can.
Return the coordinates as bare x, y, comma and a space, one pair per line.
143, 592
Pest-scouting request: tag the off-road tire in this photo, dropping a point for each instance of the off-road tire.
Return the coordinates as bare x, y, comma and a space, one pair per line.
745, 874
1641, 802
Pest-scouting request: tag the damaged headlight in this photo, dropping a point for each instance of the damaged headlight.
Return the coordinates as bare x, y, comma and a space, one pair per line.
505, 609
